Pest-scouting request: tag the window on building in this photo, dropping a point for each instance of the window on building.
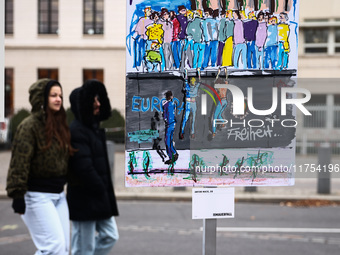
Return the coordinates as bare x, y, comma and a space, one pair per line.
317, 99
325, 110
97, 74
337, 40
48, 16
317, 106
316, 40
321, 36
9, 90
93, 17
48, 73
9, 17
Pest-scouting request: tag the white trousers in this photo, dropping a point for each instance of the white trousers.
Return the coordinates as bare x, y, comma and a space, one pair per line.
47, 219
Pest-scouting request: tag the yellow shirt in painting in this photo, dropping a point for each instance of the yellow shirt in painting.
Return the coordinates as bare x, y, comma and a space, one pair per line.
155, 32
283, 32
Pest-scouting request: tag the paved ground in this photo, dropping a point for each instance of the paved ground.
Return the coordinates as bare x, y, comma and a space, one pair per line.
167, 228
304, 188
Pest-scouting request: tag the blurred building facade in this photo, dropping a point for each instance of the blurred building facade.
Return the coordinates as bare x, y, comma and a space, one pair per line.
67, 40
80, 39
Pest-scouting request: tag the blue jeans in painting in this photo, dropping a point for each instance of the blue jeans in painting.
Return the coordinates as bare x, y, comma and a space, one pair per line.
176, 51
198, 54
218, 112
260, 57
139, 48
240, 50
283, 57
169, 140
251, 55
189, 107
210, 53
270, 56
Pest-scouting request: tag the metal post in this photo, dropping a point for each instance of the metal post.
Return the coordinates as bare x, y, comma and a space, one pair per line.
304, 144
324, 175
209, 236
2, 61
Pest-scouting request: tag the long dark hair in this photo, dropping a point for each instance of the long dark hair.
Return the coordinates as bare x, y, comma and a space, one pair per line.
56, 127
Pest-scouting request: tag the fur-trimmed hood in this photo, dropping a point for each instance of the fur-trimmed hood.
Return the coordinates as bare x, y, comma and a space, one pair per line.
82, 99
38, 92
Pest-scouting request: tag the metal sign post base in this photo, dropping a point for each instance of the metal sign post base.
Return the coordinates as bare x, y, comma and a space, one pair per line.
210, 204
209, 236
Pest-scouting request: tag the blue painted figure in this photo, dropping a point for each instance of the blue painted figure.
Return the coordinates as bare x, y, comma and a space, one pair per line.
220, 107
210, 37
271, 45
195, 32
169, 111
191, 92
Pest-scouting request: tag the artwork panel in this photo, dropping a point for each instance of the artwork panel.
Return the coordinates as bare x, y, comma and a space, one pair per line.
180, 115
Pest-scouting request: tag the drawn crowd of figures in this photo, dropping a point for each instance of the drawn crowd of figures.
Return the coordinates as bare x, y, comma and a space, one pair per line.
166, 40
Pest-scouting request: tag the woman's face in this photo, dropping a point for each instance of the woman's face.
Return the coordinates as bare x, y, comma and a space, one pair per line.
55, 98
96, 106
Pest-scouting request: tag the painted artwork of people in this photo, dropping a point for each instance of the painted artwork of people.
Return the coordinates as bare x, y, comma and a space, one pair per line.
227, 55
187, 52
201, 91
155, 125
242, 38
182, 35
283, 33
191, 93
210, 37
195, 31
240, 47
261, 35
153, 58
166, 51
271, 44
140, 40
220, 107
250, 29
169, 115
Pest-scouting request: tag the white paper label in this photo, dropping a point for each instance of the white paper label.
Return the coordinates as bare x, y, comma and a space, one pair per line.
213, 203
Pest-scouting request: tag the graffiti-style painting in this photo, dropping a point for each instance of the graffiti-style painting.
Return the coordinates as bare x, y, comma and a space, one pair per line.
207, 87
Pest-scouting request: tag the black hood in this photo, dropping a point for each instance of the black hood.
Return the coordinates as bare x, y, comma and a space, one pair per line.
82, 100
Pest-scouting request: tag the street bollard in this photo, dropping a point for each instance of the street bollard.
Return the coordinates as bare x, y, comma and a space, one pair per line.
324, 176
110, 153
180, 188
250, 189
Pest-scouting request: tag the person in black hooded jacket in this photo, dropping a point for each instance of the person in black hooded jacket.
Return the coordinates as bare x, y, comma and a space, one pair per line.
90, 193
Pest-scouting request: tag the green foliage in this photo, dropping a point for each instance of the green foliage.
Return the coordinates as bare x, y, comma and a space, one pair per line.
16, 120
115, 127
116, 120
